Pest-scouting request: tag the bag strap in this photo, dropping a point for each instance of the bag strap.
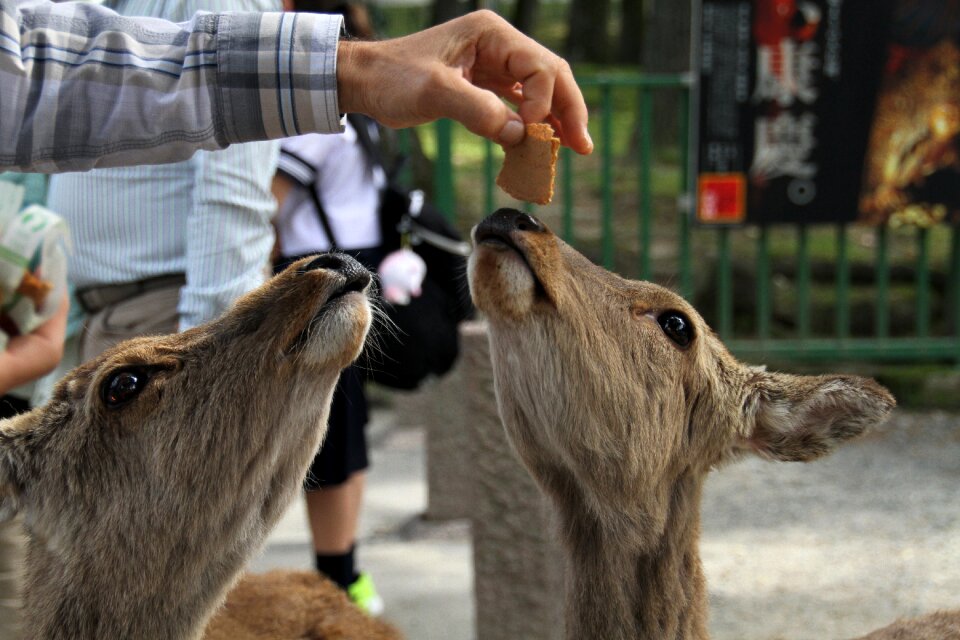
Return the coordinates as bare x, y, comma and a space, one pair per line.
312, 186
361, 124
322, 215
408, 223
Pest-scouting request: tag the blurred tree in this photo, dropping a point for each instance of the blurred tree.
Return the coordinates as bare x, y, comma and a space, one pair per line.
630, 50
525, 15
666, 36
587, 38
444, 10
666, 49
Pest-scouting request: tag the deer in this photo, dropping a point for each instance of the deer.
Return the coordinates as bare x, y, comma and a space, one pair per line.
157, 469
618, 399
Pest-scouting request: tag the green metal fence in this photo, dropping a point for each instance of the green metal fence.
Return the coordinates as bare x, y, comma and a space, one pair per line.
841, 292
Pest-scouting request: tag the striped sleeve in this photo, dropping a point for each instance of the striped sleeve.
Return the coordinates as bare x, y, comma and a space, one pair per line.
84, 87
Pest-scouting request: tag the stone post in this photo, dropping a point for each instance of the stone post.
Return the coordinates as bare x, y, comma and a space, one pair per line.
439, 407
518, 564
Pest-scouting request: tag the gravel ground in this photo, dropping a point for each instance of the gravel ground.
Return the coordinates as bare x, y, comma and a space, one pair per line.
841, 546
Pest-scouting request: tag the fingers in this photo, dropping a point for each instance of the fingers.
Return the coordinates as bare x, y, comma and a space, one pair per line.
548, 85
461, 70
570, 111
480, 111
552, 93
538, 79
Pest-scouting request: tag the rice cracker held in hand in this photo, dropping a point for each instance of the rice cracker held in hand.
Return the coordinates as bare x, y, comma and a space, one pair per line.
530, 167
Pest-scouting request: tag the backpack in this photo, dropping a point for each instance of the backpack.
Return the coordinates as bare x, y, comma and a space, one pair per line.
422, 337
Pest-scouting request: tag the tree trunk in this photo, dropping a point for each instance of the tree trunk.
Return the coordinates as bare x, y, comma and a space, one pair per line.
587, 40
666, 41
666, 49
630, 50
444, 10
525, 15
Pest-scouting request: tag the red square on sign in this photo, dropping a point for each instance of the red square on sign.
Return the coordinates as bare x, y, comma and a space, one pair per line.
722, 198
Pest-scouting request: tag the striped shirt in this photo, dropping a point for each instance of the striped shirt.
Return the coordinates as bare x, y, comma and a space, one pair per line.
84, 87
207, 217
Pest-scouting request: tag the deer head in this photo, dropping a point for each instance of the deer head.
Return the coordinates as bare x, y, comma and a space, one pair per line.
612, 390
157, 468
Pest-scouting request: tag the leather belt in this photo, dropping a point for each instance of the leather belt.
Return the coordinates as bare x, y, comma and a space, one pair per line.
96, 299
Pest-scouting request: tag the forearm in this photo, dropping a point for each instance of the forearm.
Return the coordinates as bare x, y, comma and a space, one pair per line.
28, 357
84, 87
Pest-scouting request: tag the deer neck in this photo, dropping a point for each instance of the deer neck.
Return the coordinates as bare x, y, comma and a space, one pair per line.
625, 591
84, 602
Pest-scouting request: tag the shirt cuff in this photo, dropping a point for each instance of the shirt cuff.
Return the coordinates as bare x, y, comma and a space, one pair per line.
277, 75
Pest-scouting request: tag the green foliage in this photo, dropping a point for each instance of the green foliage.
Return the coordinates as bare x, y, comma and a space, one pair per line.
599, 203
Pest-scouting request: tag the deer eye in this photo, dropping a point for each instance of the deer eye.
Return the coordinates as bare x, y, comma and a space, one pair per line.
123, 386
677, 327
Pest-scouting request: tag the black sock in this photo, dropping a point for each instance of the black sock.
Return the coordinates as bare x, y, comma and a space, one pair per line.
338, 567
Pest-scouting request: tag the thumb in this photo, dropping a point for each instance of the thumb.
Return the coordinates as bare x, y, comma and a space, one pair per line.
481, 111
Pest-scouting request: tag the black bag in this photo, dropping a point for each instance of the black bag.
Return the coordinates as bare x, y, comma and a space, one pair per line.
424, 337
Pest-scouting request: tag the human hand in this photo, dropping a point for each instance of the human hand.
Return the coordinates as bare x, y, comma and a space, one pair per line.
460, 70
29, 356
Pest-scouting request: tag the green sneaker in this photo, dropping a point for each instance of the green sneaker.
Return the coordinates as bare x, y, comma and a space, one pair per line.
365, 595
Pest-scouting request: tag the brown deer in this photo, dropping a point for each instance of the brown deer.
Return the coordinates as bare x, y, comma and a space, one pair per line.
619, 399
157, 469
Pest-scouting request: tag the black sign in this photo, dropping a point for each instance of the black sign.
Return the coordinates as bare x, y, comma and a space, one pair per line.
828, 110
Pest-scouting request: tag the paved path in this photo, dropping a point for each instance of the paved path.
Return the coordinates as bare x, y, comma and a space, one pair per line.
423, 570
841, 546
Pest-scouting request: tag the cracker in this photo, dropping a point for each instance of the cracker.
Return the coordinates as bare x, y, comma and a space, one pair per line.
530, 167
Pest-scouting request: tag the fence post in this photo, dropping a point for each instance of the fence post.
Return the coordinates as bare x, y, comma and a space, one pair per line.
954, 294
606, 175
444, 191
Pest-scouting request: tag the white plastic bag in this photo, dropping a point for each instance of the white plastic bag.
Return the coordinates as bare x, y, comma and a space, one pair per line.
33, 240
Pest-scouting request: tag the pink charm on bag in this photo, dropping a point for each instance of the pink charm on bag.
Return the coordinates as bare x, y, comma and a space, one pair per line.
401, 275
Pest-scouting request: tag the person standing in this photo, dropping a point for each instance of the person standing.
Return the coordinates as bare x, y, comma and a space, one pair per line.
24, 359
162, 248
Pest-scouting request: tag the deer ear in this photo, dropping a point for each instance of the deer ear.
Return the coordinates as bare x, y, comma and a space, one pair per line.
800, 418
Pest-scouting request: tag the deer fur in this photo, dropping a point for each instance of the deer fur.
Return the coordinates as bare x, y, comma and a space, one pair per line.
141, 515
619, 424
293, 605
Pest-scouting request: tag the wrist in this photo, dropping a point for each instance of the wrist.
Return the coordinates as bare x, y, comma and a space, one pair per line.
353, 64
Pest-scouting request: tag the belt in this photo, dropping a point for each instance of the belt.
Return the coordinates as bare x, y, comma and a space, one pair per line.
96, 299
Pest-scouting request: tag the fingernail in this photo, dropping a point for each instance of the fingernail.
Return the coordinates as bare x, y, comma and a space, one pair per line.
586, 135
512, 132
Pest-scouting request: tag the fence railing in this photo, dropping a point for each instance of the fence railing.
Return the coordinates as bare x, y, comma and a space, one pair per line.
824, 292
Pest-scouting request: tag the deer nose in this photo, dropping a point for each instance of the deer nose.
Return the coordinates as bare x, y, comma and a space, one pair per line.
506, 221
331, 261
356, 274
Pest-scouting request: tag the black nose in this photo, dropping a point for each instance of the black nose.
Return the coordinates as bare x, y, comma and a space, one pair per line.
506, 221
356, 274
331, 261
